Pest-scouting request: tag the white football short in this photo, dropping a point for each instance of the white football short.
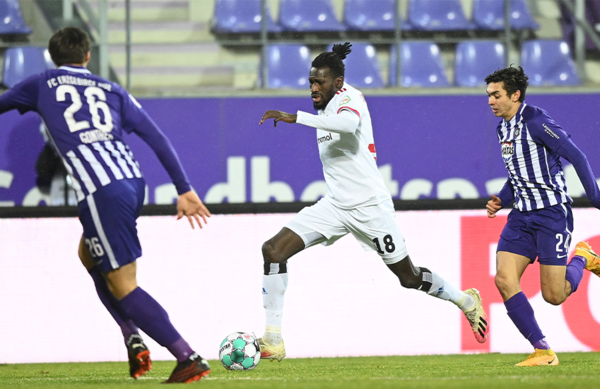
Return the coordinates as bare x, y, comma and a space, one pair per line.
374, 226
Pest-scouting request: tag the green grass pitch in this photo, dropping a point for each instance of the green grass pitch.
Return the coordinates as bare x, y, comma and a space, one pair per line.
488, 371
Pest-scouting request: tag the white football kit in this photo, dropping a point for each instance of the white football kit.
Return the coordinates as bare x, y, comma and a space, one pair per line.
357, 199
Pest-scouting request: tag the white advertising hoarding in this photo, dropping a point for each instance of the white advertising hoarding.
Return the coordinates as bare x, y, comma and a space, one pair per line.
341, 300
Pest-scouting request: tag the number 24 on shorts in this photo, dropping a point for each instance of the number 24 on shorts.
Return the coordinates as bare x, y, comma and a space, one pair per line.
388, 244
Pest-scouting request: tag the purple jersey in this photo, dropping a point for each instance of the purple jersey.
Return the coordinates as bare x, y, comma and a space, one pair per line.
529, 142
87, 116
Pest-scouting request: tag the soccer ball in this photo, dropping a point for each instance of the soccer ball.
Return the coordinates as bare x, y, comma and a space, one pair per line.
239, 351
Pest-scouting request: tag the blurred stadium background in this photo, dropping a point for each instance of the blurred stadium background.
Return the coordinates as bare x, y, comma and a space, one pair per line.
206, 70
191, 47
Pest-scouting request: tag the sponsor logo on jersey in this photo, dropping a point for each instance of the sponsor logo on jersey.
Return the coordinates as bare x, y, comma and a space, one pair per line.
325, 138
549, 131
264, 291
345, 100
508, 149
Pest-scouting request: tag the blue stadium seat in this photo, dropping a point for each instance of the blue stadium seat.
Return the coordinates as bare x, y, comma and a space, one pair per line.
568, 24
362, 68
22, 62
370, 15
489, 15
548, 63
436, 15
288, 66
420, 65
476, 60
11, 20
308, 16
241, 16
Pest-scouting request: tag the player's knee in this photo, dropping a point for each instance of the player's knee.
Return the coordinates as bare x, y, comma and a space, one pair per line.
502, 283
554, 298
270, 254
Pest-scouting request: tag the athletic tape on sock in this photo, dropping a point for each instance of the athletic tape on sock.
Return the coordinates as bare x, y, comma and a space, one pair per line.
426, 280
274, 268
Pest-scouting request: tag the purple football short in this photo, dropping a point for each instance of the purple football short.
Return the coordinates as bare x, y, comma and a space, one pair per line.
544, 234
109, 223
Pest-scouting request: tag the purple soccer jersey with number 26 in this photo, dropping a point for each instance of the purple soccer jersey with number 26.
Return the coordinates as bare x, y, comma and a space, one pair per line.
86, 117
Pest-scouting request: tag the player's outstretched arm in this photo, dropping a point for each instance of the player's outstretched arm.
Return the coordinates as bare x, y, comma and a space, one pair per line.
573, 154
190, 205
279, 116
493, 206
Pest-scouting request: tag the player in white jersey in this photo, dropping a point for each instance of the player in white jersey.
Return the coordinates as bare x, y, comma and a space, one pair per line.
541, 222
357, 202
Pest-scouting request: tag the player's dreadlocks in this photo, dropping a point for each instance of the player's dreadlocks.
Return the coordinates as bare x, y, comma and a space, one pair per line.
333, 59
514, 79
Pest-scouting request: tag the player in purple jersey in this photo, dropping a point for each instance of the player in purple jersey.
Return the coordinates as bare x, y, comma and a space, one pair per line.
87, 117
541, 222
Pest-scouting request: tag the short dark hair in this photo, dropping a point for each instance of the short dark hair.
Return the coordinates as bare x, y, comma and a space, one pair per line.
68, 46
334, 59
514, 79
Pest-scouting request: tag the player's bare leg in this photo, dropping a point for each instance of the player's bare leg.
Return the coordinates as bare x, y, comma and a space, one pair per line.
276, 251
122, 281
509, 270
555, 287
285, 244
137, 351
423, 279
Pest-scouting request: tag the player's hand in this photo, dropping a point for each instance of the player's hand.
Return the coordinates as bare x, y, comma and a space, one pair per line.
190, 205
493, 206
279, 116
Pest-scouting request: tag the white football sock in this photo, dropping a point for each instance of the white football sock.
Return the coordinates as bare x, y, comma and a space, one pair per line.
274, 287
446, 291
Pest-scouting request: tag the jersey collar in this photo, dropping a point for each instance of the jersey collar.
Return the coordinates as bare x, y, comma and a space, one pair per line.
518, 116
76, 69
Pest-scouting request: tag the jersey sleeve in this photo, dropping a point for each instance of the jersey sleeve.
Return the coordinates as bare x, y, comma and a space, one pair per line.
343, 123
162, 147
544, 130
507, 194
573, 154
23, 96
348, 101
132, 112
